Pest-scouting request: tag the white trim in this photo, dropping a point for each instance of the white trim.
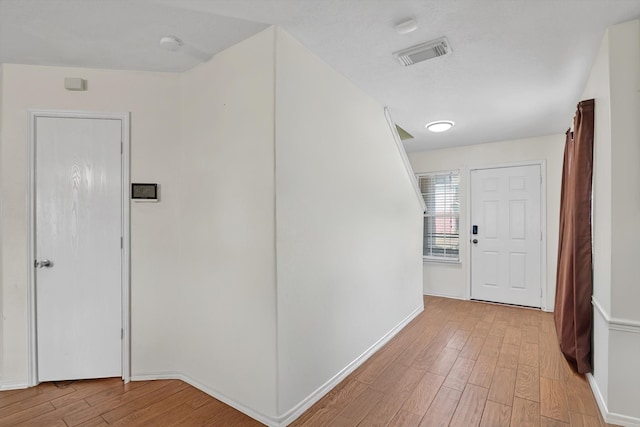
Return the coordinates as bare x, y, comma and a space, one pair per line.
13, 386
293, 413
598, 395
508, 165
600, 310
610, 417
619, 325
126, 247
125, 214
544, 282
543, 223
276, 46
289, 416
616, 323
433, 258
436, 173
467, 289
405, 159
434, 294
443, 260
32, 373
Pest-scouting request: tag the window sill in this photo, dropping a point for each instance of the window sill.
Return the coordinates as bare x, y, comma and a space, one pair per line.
435, 260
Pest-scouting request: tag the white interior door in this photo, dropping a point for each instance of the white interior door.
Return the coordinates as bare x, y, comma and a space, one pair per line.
506, 249
78, 229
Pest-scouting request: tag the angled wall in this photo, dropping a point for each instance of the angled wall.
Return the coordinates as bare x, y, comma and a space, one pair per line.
226, 246
348, 227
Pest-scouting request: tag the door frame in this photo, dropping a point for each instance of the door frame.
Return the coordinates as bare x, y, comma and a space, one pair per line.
543, 223
31, 244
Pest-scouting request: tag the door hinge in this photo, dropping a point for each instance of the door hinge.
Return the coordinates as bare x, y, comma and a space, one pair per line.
121, 334
121, 242
121, 147
540, 292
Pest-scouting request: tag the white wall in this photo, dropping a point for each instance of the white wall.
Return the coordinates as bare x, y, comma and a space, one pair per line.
225, 141
202, 259
452, 279
226, 252
1, 245
597, 88
624, 68
154, 133
615, 84
348, 225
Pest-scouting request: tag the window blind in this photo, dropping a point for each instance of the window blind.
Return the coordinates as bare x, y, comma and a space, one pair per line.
441, 194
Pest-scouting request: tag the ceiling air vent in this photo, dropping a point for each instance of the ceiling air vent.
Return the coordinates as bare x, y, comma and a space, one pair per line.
423, 51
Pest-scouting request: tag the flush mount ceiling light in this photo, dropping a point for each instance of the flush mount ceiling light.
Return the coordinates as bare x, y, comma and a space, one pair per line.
440, 126
170, 43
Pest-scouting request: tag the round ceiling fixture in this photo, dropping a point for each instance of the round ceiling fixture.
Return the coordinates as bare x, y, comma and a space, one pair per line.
170, 43
440, 126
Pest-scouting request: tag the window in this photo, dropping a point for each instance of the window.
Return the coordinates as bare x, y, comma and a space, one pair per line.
441, 193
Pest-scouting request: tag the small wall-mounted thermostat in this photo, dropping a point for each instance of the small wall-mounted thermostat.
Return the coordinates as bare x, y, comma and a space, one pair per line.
144, 192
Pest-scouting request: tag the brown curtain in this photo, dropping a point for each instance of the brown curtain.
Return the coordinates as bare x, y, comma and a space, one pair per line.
573, 312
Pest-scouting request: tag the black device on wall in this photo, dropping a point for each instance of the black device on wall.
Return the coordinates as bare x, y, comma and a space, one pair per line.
144, 192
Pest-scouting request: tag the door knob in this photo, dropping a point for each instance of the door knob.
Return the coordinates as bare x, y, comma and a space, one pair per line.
475, 240
45, 263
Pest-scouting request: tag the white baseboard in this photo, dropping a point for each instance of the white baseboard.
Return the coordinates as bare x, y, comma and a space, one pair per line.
306, 403
265, 419
289, 416
435, 294
619, 327
610, 417
13, 386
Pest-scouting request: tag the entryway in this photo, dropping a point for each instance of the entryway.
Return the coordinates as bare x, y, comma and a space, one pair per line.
506, 235
79, 281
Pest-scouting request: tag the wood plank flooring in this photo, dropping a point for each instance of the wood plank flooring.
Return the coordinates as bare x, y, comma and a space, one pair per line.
459, 363
464, 363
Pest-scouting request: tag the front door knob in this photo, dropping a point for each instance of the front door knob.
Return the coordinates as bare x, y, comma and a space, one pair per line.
475, 240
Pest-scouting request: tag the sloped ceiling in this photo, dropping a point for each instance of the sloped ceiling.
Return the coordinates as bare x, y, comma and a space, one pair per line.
517, 69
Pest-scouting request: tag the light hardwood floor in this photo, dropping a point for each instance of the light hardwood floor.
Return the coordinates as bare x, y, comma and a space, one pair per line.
463, 363
459, 363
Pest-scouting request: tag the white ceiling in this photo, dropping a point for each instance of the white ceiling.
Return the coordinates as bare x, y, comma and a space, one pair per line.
517, 69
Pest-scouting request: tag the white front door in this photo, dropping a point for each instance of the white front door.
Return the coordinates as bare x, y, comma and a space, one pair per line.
506, 246
78, 229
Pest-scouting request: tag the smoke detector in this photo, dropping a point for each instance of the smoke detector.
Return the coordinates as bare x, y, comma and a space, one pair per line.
423, 51
406, 26
170, 43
